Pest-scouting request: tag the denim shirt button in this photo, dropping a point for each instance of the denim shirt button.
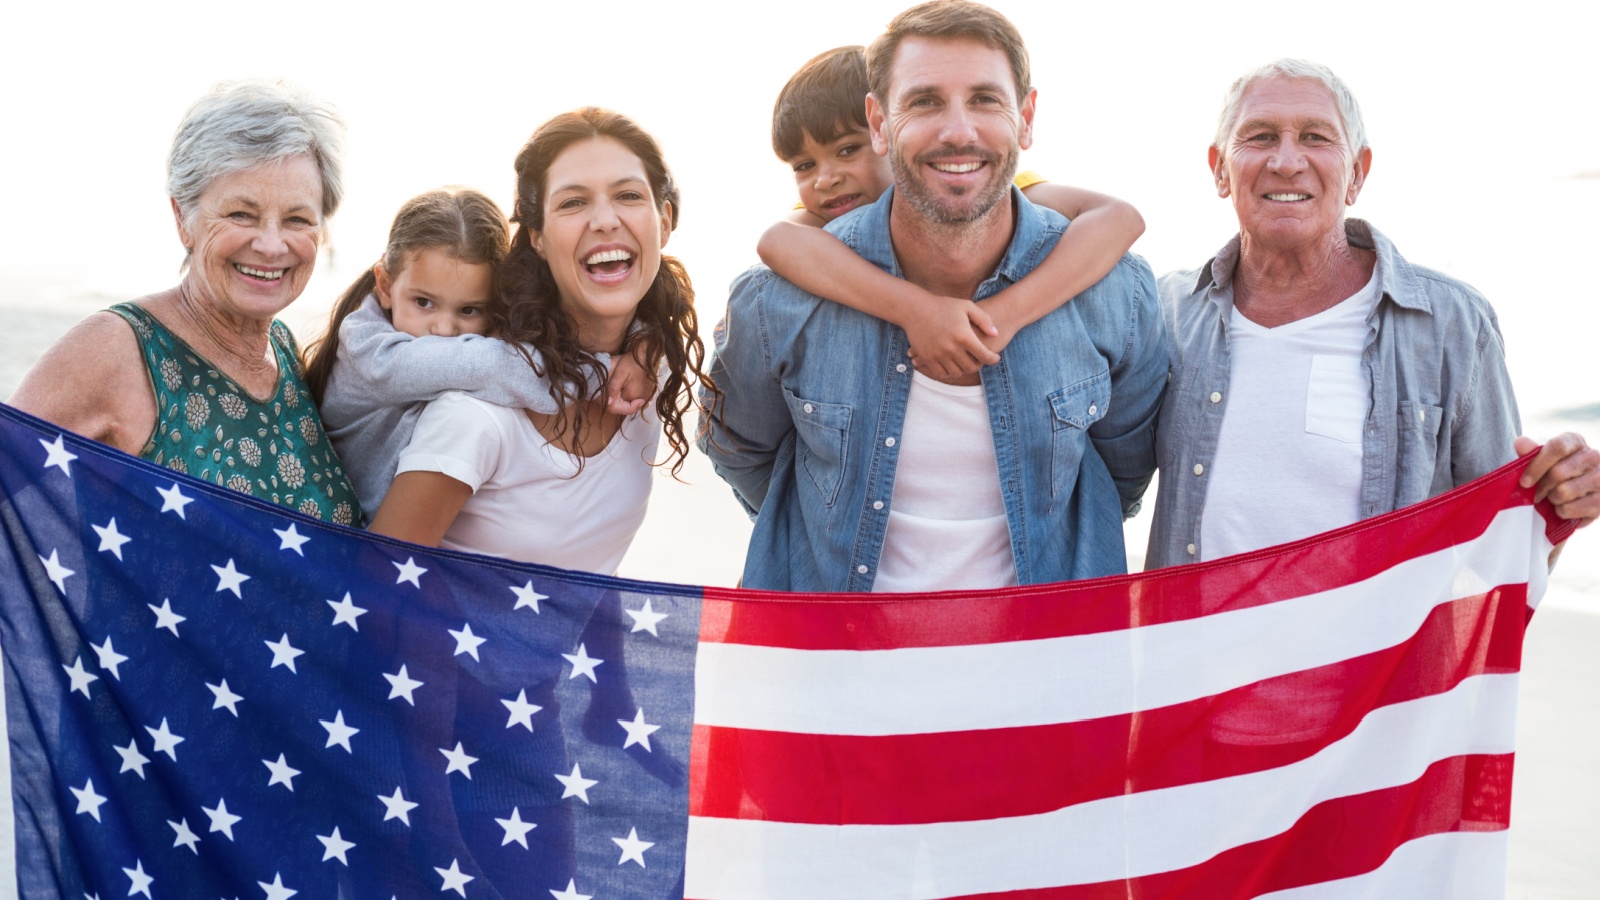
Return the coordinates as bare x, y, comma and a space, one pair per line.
1190, 548
861, 569
1199, 469
888, 442
810, 409
900, 368
1093, 409
1216, 396
877, 504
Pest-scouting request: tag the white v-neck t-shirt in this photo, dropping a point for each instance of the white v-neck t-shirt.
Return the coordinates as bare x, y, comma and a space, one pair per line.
1288, 461
530, 500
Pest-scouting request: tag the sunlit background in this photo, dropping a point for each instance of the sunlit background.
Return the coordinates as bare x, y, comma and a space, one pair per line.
1484, 121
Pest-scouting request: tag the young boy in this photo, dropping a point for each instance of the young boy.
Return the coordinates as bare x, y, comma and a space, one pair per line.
819, 128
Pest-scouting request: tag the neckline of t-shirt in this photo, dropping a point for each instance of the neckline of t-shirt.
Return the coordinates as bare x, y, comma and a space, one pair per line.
1364, 298
949, 390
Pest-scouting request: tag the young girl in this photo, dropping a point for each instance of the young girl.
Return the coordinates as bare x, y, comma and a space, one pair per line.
371, 375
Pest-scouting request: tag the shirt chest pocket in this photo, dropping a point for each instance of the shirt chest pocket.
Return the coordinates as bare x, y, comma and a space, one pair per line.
822, 432
1336, 398
1072, 410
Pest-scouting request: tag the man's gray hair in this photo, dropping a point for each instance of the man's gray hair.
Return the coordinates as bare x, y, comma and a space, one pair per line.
243, 124
1349, 110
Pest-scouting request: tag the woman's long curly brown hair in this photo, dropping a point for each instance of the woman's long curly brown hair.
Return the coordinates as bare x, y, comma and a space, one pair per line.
664, 323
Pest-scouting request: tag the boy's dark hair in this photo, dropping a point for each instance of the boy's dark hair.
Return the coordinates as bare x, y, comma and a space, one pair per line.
826, 98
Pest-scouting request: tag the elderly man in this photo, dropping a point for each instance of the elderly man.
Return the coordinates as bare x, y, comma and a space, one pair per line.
865, 475
1318, 377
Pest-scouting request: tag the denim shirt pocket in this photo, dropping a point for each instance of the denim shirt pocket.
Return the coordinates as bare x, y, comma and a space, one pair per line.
823, 430
1417, 453
1073, 409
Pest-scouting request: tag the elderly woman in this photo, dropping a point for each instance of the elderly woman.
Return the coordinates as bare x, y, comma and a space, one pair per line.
1318, 377
200, 378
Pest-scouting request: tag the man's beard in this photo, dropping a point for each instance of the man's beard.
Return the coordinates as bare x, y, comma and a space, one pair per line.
972, 203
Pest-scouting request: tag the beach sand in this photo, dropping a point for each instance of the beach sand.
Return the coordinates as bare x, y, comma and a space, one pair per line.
695, 534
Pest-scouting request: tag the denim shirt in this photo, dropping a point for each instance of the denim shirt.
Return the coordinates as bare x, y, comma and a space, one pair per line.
815, 400
1440, 413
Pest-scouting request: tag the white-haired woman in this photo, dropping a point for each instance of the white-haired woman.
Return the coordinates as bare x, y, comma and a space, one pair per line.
200, 377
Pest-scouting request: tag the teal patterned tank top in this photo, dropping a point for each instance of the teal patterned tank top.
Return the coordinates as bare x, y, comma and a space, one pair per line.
210, 427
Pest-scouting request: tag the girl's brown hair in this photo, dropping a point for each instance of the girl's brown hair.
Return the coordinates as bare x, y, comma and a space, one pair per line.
664, 323
460, 221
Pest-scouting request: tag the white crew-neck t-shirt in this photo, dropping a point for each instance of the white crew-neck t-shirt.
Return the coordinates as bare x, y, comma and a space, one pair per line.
530, 501
947, 524
1288, 461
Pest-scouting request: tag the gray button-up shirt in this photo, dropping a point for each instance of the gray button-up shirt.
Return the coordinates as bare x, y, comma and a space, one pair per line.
1440, 412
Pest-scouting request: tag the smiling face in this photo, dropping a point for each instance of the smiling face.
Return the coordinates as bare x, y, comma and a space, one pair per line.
952, 127
602, 237
437, 294
253, 237
840, 175
1288, 165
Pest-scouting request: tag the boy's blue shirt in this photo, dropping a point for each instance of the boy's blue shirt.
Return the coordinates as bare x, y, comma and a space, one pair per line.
815, 399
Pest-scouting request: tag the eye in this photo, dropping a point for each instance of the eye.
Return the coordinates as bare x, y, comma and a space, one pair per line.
1313, 137
804, 166
570, 203
468, 312
301, 222
630, 196
423, 302
241, 217
849, 150
985, 100
923, 102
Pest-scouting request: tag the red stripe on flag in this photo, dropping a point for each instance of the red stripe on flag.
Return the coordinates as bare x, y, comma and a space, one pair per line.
974, 775
879, 622
1337, 839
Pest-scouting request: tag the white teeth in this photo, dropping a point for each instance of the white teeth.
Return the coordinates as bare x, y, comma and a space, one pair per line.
608, 256
259, 273
957, 168
1288, 198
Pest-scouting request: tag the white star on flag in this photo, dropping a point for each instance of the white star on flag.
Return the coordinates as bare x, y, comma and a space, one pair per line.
645, 618
229, 579
459, 761
397, 807
165, 617
527, 596
221, 819
409, 572
88, 801
632, 847
516, 829
282, 772
283, 654
334, 846
81, 677
339, 733
401, 685
521, 710
110, 538
109, 658
164, 741
571, 893
466, 641
276, 890
59, 456
185, 837
56, 571
291, 539
173, 500
454, 878
582, 664
141, 881
575, 785
345, 612
132, 759
638, 731
226, 699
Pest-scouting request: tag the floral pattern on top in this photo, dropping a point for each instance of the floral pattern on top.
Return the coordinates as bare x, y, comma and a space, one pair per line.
210, 427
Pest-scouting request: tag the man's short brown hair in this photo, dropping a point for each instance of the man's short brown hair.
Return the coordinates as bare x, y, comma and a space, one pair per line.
948, 19
826, 99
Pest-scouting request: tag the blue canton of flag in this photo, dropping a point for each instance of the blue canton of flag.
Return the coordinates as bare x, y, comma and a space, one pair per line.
213, 696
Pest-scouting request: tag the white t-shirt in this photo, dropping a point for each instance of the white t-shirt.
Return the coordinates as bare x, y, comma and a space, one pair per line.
1288, 461
947, 524
527, 503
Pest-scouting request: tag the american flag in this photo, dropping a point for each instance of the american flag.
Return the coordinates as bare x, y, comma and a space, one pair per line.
212, 696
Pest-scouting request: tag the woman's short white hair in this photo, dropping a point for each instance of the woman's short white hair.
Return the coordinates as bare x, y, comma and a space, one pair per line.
1349, 110
243, 124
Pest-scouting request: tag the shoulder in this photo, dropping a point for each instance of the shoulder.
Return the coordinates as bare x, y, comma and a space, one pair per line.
94, 382
1448, 303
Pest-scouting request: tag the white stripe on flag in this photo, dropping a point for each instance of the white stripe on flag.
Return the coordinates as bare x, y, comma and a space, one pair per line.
1023, 683
1120, 837
1460, 865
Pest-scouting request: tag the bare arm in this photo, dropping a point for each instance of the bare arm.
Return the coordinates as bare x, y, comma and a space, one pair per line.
93, 382
1103, 229
943, 331
420, 507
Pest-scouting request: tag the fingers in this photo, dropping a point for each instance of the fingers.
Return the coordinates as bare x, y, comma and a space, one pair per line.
981, 320
621, 407
1567, 473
